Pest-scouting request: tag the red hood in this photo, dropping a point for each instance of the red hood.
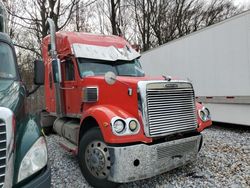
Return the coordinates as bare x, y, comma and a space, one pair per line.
117, 94
130, 79
135, 80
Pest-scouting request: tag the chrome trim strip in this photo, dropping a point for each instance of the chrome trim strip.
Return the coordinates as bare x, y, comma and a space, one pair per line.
6, 115
67, 115
224, 99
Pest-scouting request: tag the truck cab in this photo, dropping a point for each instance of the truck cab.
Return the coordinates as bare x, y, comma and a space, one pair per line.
122, 124
23, 150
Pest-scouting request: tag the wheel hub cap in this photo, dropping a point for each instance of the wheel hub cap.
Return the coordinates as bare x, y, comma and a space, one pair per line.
98, 159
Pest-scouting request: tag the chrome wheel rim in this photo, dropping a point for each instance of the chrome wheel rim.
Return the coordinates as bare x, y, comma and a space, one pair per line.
97, 159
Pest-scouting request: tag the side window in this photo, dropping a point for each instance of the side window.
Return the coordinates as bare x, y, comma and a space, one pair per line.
69, 73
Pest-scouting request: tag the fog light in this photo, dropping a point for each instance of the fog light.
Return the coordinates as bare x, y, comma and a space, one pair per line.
133, 125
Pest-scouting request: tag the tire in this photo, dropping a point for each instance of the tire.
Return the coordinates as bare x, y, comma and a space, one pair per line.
94, 159
48, 130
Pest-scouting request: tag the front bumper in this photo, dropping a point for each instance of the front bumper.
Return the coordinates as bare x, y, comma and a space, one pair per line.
41, 181
143, 161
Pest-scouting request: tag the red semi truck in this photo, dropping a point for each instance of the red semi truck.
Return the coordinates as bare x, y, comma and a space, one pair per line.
123, 125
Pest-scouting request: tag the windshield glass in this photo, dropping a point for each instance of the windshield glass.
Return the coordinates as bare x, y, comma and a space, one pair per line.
7, 63
93, 67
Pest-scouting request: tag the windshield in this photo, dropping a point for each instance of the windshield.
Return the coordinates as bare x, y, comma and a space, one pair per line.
93, 67
7, 63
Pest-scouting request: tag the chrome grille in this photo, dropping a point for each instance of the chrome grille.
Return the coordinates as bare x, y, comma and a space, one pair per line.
2, 151
170, 108
178, 149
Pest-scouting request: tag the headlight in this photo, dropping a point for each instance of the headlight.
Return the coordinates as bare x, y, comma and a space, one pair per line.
34, 160
133, 125
207, 112
122, 127
119, 126
202, 115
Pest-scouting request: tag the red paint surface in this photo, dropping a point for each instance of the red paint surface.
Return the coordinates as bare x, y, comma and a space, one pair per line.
113, 100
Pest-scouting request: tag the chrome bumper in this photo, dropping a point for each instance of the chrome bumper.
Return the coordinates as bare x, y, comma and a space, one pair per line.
141, 161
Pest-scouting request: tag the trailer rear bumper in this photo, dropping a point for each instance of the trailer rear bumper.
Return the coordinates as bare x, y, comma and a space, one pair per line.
143, 161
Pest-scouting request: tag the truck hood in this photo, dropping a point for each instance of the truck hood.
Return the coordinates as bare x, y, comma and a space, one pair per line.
131, 81
116, 94
135, 80
11, 94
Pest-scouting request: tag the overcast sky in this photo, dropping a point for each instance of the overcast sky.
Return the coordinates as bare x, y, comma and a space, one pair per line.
238, 2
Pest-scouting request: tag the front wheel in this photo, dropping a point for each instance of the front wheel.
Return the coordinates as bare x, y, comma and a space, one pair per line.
94, 159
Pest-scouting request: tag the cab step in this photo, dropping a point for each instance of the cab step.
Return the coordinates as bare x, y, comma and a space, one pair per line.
68, 146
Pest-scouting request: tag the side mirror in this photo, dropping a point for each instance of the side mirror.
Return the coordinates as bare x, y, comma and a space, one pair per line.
39, 72
110, 78
56, 67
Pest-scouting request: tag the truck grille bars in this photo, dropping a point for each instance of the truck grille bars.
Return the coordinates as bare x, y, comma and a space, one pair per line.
2, 151
168, 107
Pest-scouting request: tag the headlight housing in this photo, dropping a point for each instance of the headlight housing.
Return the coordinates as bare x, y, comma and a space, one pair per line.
207, 112
119, 126
204, 114
122, 127
34, 160
133, 125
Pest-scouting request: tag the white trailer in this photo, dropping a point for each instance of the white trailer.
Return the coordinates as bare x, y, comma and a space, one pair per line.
217, 61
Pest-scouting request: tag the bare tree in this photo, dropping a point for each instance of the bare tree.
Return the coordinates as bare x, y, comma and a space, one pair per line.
33, 18
163, 20
219, 10
166, 20
83, 16
115, 6
143, 13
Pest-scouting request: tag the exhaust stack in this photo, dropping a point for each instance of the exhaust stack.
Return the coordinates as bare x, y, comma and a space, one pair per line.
56, 67
52, 30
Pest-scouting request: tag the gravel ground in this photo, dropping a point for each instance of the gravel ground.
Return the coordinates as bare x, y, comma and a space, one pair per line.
224, 161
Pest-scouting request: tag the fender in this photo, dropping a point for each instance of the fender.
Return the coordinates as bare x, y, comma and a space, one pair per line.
103, 115
201, 124
28, 131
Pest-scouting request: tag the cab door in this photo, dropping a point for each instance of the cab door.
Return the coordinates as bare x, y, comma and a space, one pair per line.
70, 89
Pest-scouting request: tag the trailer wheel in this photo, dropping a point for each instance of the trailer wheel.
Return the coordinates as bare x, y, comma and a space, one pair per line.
94, 159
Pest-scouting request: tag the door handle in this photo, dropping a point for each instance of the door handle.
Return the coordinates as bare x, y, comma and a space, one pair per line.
68, 88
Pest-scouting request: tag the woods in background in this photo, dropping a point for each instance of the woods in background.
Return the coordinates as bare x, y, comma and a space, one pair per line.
148, 23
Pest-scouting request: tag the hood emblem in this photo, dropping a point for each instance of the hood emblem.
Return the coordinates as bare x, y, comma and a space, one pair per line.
171, 86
